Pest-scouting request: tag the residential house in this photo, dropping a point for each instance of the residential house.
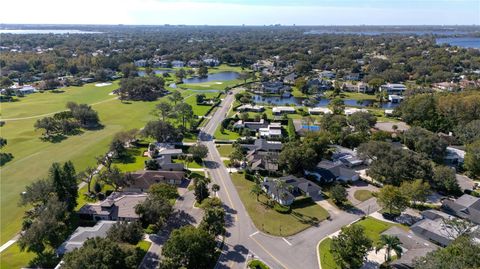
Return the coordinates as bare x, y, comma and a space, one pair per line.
294, 186
81, 234
393, 88
328, 171
163, 153
252, 125
346, 156
279, 110
211, 62
290, 78
117, 206
178, 64
274, 87
350, 110
319, 85
395, 99
250, 108
263, 155
194, 63
273, 130
433, 227
140, 63
360, 87
465, 207
21, 90
141, 181
327, 74
412, 245
354, 76
319, 110
454, 156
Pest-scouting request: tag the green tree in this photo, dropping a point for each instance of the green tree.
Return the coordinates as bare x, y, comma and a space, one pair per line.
162, 132
215, 188
64, 182
256, 190
362, 121
337, 106
213, 221
390, 243
114, 177
297, 157
338, 193
175, 97
350, 247
416, 191
118, 149
392, 199
472, 159
201, 190
444, 180
180, 252
463, 252
198, 151
126, 232
164, 190
202, 71
164, 109
154, 211
184, 111
100, 253
87, 176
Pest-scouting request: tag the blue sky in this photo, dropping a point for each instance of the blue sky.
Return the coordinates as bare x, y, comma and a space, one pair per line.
248, 12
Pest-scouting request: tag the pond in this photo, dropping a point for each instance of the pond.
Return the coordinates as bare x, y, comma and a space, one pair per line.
282, 101
142, 73
221, 76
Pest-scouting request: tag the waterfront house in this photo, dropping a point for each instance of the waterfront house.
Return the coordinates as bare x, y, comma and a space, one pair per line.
279, 110
251, 125
393, 88
178, 64
250, 108
319, 110
395, 99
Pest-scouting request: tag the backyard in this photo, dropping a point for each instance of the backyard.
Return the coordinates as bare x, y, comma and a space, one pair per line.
373, 228
302, 216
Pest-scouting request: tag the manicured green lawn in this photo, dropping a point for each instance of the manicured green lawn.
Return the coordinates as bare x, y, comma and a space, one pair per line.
270, 221
12, 257
227, 135
373, 228
134, 162
225, 150
362, 195
326, 257
144, 245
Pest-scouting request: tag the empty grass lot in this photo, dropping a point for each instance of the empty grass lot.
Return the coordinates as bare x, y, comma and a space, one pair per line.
270, 221
362, 195
373, 228
225, 150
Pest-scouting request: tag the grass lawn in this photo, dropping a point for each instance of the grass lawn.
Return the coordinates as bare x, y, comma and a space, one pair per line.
257, 264
362, 195
225, 150
270, 221
144, 245
12, 257
373, 228
134, 162
326, 258
227, 135
33, 157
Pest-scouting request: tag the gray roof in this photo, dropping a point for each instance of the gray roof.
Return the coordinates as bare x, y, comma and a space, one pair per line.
262, 144
116, 206
414, 246
81, 235
329, 170
466, 207
433, 228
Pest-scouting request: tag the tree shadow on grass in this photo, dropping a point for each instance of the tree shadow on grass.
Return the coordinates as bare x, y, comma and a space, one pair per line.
54, 138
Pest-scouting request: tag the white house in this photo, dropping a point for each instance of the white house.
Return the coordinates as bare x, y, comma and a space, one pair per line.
278, 110
319, 110
350, 110
393, 88
273, 130
395, 98
178, 64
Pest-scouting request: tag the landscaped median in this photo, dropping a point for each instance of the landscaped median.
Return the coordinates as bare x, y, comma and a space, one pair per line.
373, 229
303, 214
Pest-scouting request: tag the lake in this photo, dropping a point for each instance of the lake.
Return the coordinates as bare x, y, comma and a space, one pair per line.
464, 42
221, 76
45, 31
282, 101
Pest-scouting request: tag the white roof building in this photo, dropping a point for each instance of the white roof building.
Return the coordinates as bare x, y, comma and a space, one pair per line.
319, 110
283, 109
350, 110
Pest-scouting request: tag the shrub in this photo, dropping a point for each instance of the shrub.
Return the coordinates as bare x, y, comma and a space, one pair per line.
281, 209
256, 264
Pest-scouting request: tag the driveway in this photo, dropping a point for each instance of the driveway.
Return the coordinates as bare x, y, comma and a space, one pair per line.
359, 185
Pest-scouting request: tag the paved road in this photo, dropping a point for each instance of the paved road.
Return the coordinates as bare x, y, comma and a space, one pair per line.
243, 238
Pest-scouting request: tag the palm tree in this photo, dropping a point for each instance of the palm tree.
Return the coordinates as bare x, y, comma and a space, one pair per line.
390, 242
215, 188
256, 190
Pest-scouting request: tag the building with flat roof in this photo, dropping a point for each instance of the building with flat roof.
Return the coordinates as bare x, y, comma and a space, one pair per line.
393, 88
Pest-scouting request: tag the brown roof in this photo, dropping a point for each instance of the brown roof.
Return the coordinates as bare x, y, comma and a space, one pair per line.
144, 179
117, 205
